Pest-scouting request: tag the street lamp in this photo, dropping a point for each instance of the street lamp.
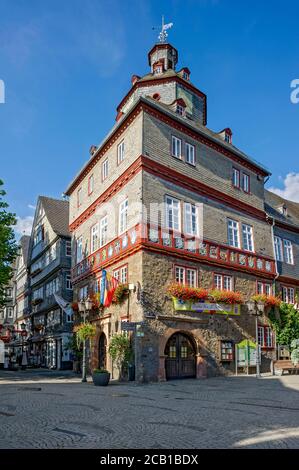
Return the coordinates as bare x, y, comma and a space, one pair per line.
256, 309
23, 333
84, 307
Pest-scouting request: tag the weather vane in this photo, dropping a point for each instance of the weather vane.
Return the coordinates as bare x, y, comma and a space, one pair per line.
163, 34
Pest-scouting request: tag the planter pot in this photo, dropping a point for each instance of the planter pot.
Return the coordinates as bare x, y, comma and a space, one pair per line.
101, 380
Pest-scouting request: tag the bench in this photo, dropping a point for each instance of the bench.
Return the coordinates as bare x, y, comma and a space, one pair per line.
280, 367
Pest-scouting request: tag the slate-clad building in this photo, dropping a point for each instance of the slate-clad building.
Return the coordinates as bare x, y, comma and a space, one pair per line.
49, 263
165, 199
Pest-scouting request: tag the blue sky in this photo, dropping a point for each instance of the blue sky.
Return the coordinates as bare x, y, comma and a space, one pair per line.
67, 64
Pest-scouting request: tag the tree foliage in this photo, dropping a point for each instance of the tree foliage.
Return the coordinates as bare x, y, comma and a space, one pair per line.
287, 325
8, 245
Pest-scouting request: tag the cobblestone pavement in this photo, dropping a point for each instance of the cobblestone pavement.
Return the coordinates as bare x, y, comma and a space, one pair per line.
40, 409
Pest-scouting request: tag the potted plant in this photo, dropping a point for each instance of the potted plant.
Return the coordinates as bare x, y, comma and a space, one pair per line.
100, 377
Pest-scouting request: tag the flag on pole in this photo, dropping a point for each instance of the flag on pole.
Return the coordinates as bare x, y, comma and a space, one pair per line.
64, 305
107, 288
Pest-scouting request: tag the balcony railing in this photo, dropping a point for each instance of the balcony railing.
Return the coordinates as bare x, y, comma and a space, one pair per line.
176, 243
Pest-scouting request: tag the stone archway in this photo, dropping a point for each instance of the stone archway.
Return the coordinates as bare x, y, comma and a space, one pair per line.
199, 350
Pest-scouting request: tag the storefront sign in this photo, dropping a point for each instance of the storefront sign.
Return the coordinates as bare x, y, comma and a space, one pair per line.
206, 307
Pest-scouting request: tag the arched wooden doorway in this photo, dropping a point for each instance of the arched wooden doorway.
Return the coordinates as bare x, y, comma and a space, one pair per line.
102, 351
180, 360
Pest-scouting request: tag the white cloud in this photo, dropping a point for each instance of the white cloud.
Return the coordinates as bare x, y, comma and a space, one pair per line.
24, 225
291, 187
30, 206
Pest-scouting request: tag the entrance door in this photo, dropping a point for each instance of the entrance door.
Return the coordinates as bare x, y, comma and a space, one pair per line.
102, 351
180, 357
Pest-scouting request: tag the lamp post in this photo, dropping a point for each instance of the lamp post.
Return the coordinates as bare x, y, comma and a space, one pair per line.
23, 333
256, 309
84, 307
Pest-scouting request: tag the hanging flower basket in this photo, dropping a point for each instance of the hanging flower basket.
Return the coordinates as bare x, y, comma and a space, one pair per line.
120, 293
84, 331
268, 300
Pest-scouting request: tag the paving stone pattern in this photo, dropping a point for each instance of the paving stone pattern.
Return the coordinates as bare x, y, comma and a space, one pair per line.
40, 409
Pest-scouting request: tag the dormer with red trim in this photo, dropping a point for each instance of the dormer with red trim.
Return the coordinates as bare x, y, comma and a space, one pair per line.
159, 67
226, 135
134, 79
185, 72
179, 107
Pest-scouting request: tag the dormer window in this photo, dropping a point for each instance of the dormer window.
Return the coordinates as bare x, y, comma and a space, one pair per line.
158, 68
283, 209
228, 138
185, 73
180, 110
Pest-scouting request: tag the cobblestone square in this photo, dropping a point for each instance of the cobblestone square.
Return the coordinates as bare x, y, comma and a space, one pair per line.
42, 409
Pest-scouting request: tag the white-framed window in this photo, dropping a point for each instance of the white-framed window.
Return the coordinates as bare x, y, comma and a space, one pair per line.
68, 248
288, 295
185, 276
105, 169
173, 213
190, 154
191, 219
8, 292
288, 251
79, 251
69, 317
52, 287
94, 237
120, 152
103, 231
278, 248
10, 312
121, 274
263, 288
180, 110
38, 293
233, 233
90, 184
38, 235
246, 183
123, 216
223, 282
247, 236
68, 282
83, 292
158, 69
176, 147
265, 337
79, 197
236, 178
180, 275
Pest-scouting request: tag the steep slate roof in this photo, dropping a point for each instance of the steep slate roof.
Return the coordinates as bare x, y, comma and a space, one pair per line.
208, 132
57, 213
273, 202
24, 242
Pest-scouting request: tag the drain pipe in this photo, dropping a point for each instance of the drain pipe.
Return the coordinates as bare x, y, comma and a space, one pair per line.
269, 218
